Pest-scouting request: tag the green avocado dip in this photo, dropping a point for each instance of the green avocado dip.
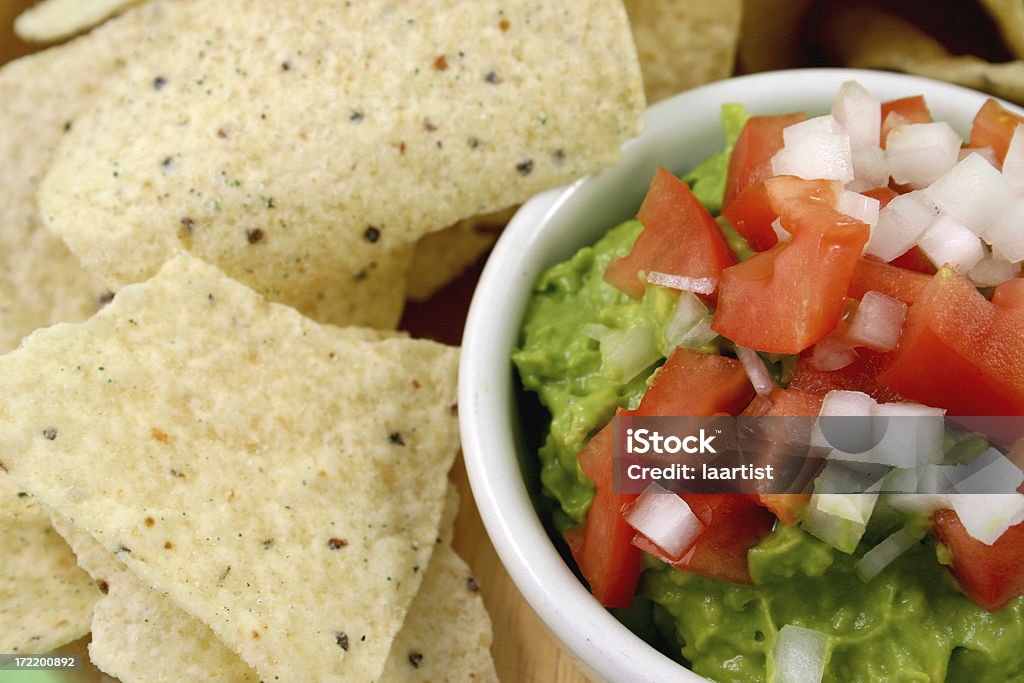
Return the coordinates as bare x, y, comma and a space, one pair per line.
909, 623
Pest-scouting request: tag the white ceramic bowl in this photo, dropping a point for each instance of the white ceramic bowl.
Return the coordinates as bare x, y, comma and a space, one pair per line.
679, 133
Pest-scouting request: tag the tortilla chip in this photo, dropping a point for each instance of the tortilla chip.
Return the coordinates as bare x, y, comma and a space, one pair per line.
278, 480
684, 43
45, 599
441, 257
295, 158
51, 20
869, 37
1009, 17
139, 634
41, 282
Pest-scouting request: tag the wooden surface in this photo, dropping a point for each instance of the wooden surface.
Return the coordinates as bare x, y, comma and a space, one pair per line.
524, 650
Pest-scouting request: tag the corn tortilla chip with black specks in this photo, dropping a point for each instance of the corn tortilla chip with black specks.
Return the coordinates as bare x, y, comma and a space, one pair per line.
51, 20
140, 635
41, 281
441, 257
293, 158
684, 43
243, 460
45, 599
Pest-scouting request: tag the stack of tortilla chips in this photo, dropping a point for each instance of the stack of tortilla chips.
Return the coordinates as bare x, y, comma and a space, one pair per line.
206, 465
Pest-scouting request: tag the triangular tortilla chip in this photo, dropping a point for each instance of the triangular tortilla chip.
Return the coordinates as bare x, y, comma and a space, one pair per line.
278, 480
140, 635
51, 20
45, 599
294, 158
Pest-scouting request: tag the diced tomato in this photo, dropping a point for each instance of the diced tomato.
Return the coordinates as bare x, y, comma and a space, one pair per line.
915, 260
959, 351
884, 195
604, 550
785, 299
695, 383
754, 210
733, 524
990, 575
899, 283
788, 507
689, 383
1010, 294
680, 237
860, 375
993, 126
751, 159
906, 110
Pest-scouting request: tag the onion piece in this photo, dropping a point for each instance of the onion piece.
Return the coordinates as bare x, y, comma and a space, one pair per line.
756, 371
900, 224
700, 285
798, 656
839, 519
861, 207
780, 232
813, 149
1013, 162
1005, 232
870, 169
877, 322
688, 313
986, 153
628, 352
973, 193
665, 519
859, 114
918, 153
699, 336
883, 554
992, 271
947, 242
832, 353
987, 517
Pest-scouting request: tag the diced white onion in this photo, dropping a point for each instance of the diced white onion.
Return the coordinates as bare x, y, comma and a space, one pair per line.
799, 655
688, 312
756, 371
816, 148
859, 114
699, 336
900, 224
1006, 233
665, 519
839, 519
918, 153
701, 285
840, 403
856, 205
818, 125
780, 232
596, 331
628, 352
832, 353
948, 242
993, 270
869, 168
973, 193
907, 435
986, 153
986, 517
883, 554
1013, 162
877, 322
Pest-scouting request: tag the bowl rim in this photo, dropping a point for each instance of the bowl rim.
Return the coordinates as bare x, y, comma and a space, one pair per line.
487, 412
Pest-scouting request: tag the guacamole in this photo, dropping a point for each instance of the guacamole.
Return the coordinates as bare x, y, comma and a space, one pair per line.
909, 623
